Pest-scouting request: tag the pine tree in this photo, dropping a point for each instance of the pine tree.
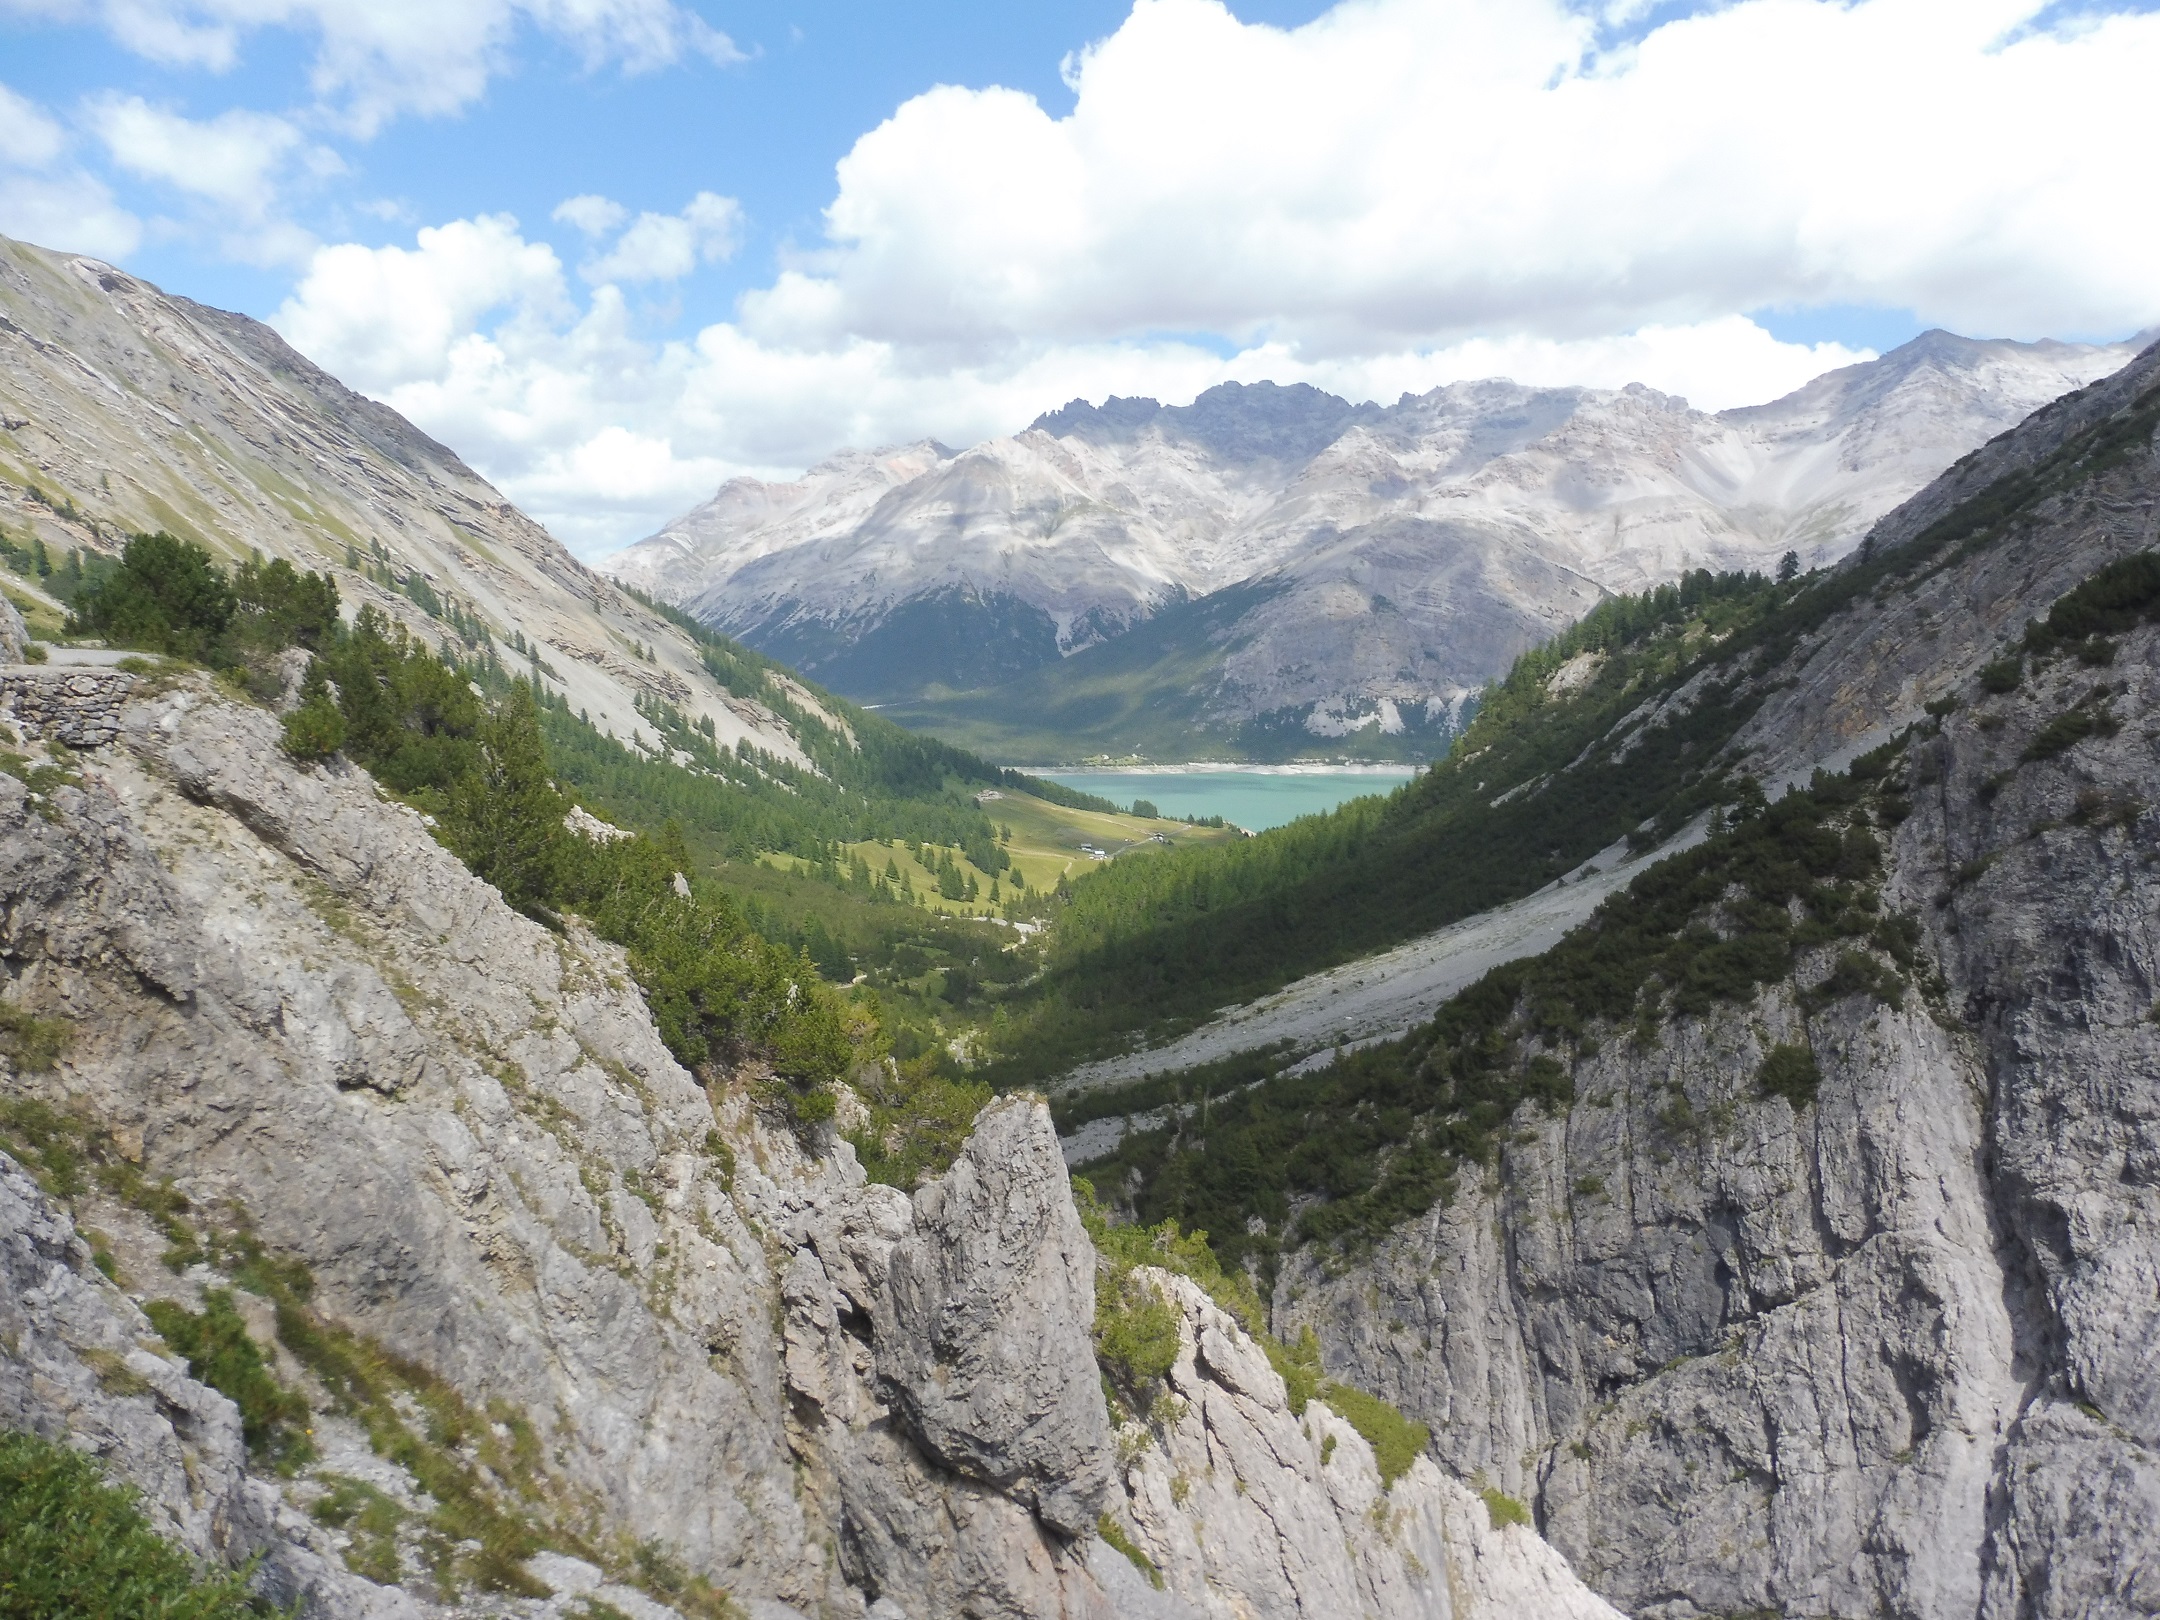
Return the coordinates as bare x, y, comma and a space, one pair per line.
506, 819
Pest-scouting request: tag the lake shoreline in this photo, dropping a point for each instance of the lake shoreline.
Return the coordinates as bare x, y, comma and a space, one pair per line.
1206, 767
1252, 797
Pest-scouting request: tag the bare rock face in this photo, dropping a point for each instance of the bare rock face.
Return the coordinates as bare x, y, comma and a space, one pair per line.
983, 1325
1891, 1352
824, 1396
14, 634
1246, 1507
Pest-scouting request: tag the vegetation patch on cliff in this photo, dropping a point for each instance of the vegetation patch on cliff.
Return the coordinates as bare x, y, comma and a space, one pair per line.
72, 1544
219, 1352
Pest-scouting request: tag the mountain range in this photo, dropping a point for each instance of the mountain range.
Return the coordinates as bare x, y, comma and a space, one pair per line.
1273, 571
1770, 1243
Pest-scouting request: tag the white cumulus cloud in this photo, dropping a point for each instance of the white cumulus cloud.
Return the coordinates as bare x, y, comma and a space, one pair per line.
29, 138
659, 247
234, 167
594, 215
1398, 194
1400, 172
46, 199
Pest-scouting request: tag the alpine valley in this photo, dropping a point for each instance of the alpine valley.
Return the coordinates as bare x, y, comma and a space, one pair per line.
1272, 572
517, 1106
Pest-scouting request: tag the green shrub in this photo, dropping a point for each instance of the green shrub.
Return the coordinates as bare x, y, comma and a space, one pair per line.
1396, 1441
275, 606
2004, 675
1790, 1072
166, 596
1136, 1332
1502, 1510
504, 818
2116, 598
1855, 973
221, 1354
2067, 730
920, 1114
316, 727
1123, 1246
72, 1545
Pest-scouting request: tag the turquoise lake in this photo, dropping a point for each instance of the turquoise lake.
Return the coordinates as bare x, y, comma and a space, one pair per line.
1257, 799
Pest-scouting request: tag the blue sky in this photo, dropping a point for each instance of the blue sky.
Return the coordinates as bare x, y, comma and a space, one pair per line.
790, 240
767, 130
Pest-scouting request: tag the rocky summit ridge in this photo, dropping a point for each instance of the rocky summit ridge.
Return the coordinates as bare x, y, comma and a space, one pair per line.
1380, 563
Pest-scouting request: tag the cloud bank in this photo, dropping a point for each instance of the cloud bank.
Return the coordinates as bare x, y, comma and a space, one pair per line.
1398, 194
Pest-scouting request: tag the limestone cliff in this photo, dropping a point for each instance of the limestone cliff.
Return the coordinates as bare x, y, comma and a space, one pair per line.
577, 1326
1888, 1351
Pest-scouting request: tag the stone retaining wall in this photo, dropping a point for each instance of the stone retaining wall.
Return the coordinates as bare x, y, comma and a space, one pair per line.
76, 706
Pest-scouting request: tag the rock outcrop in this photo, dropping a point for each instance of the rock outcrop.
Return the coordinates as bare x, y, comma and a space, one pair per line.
983, 1324
298, 1041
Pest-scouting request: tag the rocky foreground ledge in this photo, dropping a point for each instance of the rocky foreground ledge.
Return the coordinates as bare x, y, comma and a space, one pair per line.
473, 1211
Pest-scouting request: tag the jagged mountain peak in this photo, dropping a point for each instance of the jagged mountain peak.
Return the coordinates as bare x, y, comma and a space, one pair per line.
1261, 421
1484, 512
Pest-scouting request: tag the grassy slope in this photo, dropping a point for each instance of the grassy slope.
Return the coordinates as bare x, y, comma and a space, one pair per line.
1046, 845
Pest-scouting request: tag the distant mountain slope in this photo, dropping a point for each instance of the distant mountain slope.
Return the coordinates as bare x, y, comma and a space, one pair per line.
128, 409
1409, 551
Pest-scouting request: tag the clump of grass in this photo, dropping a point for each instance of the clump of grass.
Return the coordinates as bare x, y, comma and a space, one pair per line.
1114, 1535
662, 1574
373, 1386
1502, 1510
35, 1043
273, 1419
371, 1519
1396, 1441
1298, 1365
